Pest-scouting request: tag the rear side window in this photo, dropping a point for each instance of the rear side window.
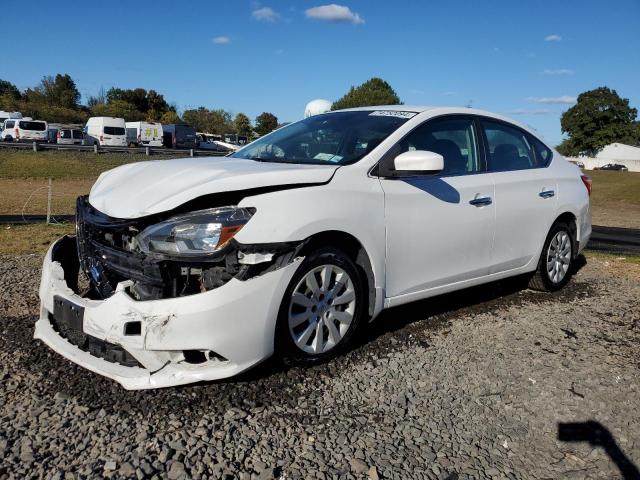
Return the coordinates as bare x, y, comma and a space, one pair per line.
509, 148
65, 133
78, 134
543, 153
34, 126
113, 131
10, 124
453, 138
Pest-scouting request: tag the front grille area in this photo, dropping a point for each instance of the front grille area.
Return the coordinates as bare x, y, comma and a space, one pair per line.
108, 255
98, 348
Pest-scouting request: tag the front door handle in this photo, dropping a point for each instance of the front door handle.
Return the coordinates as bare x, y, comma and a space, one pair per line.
481, 201
547, 193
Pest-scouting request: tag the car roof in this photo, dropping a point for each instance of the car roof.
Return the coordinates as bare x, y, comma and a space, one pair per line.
443, 110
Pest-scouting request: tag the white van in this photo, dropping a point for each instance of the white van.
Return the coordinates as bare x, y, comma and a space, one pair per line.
106, 131
144, 134
24, 130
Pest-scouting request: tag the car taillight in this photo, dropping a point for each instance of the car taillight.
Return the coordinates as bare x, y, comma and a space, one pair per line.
17, 133
101, 139
586, 179
58, 135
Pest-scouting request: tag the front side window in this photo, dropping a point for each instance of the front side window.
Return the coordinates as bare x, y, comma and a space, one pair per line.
453, 138
114, 131
33, 126
509, 148
338, 138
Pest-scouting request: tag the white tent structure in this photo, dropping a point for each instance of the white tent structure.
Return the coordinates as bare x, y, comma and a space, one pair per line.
626, 155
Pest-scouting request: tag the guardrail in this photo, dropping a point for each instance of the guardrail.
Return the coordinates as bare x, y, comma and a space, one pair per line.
36, 146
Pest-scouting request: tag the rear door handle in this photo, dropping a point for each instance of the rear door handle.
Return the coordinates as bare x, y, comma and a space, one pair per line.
481, 201
547, 193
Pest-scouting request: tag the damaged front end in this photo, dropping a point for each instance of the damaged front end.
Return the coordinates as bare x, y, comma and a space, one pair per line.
201, 310
114, 250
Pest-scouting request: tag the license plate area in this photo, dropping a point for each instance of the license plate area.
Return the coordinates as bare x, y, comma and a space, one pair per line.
68, 315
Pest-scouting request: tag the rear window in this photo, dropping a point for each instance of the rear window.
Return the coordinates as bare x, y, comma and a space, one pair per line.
10, 124
65, 133
35, 126
114, 131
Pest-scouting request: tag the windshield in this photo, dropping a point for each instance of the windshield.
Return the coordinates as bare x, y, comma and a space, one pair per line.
336, 138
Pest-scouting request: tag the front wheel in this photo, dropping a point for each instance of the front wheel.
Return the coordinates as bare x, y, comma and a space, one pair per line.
322, 308
556, 260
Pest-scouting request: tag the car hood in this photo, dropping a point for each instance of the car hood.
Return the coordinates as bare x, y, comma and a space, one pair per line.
145, 188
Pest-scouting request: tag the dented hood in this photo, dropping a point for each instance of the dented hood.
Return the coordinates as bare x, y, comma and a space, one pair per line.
144, 188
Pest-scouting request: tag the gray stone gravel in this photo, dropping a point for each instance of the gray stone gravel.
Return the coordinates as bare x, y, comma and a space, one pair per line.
469, 385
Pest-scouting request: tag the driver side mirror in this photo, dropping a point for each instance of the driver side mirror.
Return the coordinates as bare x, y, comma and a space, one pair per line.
419, 161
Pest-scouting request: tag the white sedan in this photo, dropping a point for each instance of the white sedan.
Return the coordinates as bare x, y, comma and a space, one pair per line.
198, 269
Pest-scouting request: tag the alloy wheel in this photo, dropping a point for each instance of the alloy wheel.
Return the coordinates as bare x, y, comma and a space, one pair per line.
559, 256
321, 309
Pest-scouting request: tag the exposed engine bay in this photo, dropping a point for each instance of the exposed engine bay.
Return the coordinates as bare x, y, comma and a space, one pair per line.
109, 252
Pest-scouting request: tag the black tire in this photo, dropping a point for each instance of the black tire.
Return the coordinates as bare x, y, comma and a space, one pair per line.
285, 346
542, 280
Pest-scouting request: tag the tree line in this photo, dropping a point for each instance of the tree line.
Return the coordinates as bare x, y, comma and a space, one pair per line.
599, 117
57, 99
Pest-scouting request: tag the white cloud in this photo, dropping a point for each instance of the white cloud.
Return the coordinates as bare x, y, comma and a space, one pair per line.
557, 71
265, 14
221, 40
553, 38
522, 111
334, 13
562, 100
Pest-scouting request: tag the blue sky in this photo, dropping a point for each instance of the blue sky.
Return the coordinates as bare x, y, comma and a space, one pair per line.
526, 59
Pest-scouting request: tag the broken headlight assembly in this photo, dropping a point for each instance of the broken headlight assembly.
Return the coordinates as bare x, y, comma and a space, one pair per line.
194, 234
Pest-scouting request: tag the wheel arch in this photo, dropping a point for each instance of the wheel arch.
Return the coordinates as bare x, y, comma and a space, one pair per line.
354, 249
570, 219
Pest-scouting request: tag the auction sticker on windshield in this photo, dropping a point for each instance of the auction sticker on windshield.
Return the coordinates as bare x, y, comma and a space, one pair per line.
392, 113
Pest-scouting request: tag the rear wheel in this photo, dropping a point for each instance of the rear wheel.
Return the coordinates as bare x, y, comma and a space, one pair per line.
322, 308
556, 260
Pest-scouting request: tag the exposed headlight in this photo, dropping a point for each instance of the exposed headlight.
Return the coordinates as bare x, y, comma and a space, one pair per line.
194, 234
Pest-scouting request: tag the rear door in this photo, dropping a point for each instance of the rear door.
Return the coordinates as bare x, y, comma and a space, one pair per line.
439, 227
525, 194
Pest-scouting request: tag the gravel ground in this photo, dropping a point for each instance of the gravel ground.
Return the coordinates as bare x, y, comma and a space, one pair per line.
470, 385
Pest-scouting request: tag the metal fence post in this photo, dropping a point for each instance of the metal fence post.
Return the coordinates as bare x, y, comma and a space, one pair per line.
49, 203
147, 151
191, 152
35, 147
95, 148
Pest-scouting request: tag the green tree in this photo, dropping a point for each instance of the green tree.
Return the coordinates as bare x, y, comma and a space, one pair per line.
150, 103
9, 90
242, 125
60, 91
118, 108
599, 118
170, 117
209, 121
372, 92
266, 122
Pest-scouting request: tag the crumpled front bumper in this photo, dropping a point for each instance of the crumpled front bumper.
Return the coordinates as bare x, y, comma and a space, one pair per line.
236, 321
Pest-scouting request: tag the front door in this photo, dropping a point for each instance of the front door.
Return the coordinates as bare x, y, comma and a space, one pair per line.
439, 227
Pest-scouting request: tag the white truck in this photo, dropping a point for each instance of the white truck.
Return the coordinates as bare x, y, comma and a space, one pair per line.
144, 134
105, 131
